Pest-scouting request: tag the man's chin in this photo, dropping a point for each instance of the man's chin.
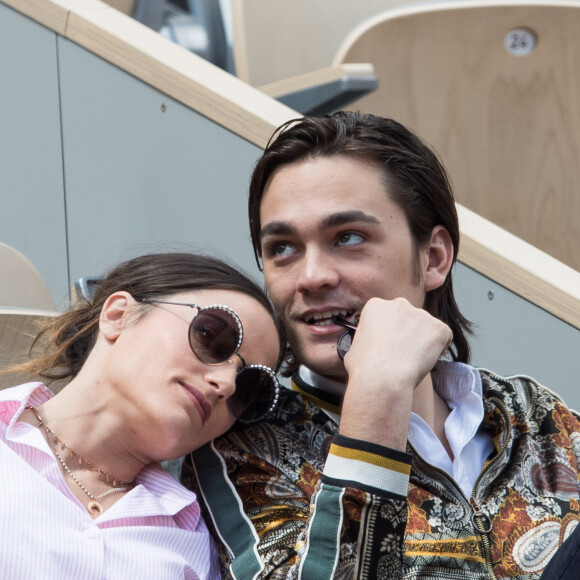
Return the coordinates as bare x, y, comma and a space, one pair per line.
324, 362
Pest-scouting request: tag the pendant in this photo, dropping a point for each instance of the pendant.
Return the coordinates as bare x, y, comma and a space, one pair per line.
95, 508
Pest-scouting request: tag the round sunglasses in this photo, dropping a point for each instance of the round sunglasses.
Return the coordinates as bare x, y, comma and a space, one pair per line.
215, 335
344, 341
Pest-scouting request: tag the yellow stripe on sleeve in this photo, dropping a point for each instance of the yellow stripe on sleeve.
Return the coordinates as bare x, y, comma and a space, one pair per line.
372, 458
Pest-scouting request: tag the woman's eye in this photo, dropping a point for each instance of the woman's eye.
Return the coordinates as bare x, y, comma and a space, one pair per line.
350, 239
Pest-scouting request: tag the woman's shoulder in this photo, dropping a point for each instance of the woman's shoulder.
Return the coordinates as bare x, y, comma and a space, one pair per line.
297, 431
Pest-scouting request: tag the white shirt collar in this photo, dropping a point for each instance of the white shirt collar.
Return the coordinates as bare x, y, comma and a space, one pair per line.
460, 386
323, 383
451, 380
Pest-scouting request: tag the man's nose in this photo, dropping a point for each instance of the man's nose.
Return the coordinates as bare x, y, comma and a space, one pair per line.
317, 272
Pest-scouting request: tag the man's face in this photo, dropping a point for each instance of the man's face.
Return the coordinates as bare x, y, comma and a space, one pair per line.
331, 239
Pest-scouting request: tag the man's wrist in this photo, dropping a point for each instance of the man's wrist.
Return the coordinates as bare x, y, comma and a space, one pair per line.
367, 466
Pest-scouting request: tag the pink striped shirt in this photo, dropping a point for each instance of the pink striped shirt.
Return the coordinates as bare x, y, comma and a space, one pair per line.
155, 531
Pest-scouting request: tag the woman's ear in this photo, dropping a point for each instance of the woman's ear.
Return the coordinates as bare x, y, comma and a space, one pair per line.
440, 258
115, 314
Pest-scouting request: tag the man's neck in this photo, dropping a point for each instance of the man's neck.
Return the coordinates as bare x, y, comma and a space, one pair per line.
427, 403
431, 407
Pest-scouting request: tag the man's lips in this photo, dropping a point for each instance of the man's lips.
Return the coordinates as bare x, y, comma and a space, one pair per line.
324, 318
199, 402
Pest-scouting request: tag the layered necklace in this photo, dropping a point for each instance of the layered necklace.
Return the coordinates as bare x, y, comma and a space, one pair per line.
117, 486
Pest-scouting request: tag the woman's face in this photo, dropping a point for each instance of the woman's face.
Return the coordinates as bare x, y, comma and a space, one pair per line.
173, 401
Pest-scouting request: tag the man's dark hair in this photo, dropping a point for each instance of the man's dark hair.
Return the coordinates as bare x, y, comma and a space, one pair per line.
414, 178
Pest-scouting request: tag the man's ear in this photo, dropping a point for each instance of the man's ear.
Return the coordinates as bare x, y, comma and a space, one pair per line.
115, 314
439, 258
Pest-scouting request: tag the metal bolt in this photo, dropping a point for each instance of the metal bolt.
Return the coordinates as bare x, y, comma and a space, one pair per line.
490, 295
163, 107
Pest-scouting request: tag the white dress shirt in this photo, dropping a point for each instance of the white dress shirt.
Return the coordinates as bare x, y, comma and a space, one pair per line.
155, 531
460, 387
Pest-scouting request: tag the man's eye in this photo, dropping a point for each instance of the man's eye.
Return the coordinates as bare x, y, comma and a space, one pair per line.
279, 249
283, 249
350, 239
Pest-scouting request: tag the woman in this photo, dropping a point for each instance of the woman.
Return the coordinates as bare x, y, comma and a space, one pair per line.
169, 352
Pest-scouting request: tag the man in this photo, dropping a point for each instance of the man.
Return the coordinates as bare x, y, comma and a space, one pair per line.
400, 460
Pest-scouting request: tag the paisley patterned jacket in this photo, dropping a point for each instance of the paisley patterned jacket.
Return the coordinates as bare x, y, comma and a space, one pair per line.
290, 498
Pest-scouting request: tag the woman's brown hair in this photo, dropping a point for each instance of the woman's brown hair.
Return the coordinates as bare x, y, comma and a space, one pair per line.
70, 337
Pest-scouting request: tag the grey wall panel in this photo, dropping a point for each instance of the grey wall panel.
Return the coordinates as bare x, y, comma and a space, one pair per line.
513, 336
32, 218
143, 172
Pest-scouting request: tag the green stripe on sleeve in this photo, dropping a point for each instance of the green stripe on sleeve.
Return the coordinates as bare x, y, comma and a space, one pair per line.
324, 535
233, 526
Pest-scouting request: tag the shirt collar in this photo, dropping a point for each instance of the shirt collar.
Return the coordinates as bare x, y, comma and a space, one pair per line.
451, 380
325, 384
459, 385
14, 400
324, 393
455, 381
159, 493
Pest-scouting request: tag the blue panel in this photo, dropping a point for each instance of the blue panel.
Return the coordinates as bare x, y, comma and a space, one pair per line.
31, 186
144, 172
513, 336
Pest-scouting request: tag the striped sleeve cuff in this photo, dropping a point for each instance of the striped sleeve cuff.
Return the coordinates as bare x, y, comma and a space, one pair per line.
367, 466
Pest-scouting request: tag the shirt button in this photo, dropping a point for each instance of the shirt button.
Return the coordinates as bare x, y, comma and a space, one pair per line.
90, 534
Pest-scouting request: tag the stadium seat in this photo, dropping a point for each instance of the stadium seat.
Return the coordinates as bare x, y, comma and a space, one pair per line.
493, 86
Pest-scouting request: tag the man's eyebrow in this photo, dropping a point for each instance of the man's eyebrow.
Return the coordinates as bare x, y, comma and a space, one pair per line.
281, 228
347, 217
277, 229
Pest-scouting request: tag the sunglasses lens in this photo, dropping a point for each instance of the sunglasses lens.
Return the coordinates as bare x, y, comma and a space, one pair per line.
214, 335
343, 344
256, 394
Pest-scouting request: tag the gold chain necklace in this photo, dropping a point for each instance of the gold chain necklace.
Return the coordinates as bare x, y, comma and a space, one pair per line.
93, 507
